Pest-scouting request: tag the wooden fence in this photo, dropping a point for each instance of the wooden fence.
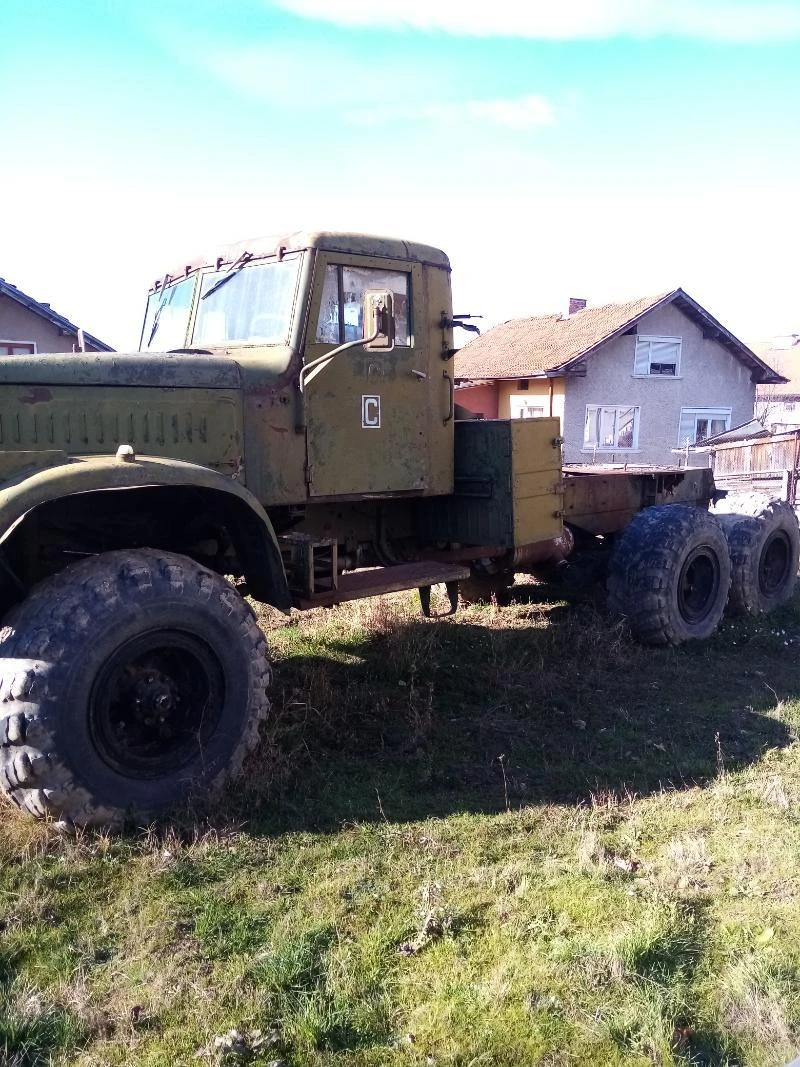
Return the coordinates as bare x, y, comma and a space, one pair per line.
768, 464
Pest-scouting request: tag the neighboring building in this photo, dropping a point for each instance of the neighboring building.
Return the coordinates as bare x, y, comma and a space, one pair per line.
28, 327
630, 382
778, 406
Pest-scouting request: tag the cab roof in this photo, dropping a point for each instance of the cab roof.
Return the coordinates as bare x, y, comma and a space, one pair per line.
325, 240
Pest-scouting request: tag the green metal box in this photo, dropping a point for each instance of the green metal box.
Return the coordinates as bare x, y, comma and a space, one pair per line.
508, 486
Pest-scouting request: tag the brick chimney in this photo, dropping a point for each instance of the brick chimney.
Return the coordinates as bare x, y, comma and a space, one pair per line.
576, 303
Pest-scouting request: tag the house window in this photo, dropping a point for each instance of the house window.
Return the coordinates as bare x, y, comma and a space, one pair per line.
17, 348
523, 407
698, 424
611, 428
657, 357
342, 302
523, 384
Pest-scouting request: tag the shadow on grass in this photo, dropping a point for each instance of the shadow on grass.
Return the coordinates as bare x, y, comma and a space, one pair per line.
496, 710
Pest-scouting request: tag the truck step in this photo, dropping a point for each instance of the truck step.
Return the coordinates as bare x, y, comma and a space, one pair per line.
310, 562
374, 581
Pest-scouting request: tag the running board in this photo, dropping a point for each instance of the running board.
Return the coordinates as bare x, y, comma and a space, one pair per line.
356, 585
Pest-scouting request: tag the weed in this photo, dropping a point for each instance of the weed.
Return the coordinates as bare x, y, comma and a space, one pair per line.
510, 837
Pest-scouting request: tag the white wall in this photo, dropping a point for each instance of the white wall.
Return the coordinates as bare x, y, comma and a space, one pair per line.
710, 377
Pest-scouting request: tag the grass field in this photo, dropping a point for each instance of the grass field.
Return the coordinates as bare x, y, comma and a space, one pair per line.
509, 838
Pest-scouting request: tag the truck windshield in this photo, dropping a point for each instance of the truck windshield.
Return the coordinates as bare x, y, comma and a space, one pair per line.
167, 317
253, 306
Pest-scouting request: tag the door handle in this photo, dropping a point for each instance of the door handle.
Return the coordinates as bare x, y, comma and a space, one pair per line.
451, 394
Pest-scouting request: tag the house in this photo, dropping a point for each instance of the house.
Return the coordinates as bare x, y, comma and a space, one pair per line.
778, 405
631, 382
27, 327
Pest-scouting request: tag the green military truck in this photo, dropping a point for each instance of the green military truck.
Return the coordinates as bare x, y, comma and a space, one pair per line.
288, 431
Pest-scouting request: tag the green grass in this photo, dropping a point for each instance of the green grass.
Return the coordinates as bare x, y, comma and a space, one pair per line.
509, 838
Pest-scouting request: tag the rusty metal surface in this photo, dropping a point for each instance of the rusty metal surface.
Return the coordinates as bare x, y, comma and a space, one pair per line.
85, 474
357, 244
197, 425
552, 551
136, 369
508, 486
371, 417
604, 502
356, 585
465, 553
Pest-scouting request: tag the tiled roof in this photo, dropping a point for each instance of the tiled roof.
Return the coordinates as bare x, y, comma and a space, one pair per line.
46, 312
551, 344
473, 383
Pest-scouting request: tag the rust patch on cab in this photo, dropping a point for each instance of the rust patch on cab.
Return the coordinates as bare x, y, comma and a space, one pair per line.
36, 394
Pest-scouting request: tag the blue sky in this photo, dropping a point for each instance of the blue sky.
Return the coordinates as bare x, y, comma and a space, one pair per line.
604, 148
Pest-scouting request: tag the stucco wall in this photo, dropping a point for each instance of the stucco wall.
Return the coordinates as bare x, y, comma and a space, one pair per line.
481, 399
19, 324
710, 377
537, 393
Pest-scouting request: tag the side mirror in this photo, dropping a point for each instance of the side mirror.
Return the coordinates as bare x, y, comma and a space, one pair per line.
378, 319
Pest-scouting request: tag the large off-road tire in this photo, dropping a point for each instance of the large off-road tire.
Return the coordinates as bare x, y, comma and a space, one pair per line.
764, 558
128, 683
669, 574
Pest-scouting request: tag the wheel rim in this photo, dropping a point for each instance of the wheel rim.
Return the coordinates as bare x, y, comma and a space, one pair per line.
698, 585
775, 563
156, 702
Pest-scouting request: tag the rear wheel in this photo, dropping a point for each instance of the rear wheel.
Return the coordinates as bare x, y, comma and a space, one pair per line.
669, 574
128, 683
764, 558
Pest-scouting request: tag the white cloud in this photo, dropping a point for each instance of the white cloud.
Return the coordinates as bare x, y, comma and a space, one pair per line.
743, 21
520, 113
242, 67
333, 77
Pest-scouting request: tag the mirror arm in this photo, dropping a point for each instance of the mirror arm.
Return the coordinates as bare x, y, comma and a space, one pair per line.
320, 362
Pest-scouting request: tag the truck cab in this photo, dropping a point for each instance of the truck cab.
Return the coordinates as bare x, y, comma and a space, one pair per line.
372, 420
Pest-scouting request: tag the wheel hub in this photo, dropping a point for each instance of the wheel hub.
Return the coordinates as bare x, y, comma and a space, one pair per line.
775, 563
698, 584
156, 701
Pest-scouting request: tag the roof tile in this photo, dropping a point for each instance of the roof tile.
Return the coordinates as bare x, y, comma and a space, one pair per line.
523, 348
550, 344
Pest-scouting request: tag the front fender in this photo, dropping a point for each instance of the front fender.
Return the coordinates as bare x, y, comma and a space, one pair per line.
254, 535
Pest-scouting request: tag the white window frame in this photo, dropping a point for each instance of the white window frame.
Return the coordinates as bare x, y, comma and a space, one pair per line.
614, 448
657, 337
703, 413
525, 400
32, 345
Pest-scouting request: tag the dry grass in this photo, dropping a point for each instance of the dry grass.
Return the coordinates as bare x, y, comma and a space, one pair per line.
511, 837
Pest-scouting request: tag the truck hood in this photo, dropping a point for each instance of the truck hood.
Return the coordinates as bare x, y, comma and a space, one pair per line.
144, 369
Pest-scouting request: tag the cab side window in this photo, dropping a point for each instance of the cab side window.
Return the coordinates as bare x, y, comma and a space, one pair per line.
341, 308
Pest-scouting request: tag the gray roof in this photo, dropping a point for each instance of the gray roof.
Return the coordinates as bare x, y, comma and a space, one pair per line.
46, 312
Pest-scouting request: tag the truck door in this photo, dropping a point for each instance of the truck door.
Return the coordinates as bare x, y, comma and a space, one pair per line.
365, 410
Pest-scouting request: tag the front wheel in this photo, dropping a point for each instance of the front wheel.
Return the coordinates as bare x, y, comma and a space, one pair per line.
128, 682
670, 573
